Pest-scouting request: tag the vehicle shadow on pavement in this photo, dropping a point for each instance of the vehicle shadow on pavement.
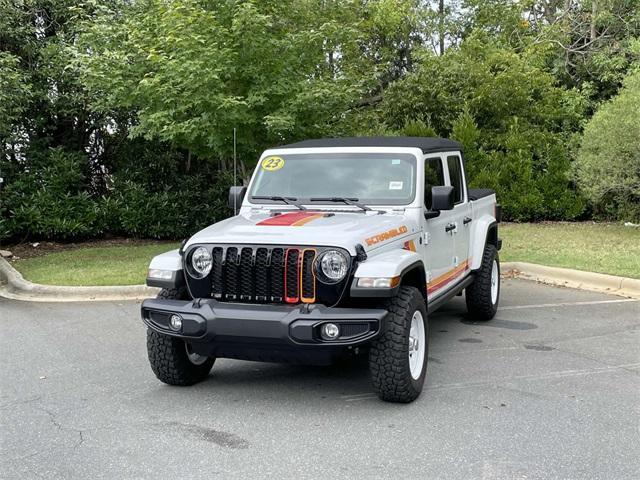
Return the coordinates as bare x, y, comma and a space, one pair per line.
347, 377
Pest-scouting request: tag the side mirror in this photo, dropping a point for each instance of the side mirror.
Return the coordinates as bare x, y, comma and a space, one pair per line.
442, 198
236, 195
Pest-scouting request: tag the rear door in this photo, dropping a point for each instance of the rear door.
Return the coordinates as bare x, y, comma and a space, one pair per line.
461, 216
438, 244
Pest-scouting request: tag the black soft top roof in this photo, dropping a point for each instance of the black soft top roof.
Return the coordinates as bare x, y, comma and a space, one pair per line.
426, 144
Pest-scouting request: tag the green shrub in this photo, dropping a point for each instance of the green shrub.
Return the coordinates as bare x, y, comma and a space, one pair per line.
50, 199
151, 197
608, 164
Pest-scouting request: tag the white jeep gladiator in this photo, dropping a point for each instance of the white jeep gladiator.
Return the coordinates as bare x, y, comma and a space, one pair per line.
337, 246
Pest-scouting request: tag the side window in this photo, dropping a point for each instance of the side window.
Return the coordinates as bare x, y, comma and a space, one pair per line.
455, 173
433, 177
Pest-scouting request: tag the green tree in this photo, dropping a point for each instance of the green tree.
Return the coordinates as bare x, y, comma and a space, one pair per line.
515, 123
608, 164
194, 70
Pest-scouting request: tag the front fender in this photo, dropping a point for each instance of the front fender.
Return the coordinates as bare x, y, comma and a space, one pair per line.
388, 264
165, 270
393, 263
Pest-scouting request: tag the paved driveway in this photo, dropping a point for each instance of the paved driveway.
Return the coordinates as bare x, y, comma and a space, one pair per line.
548, 389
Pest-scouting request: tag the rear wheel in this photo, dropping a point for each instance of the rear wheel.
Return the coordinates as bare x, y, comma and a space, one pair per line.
398, 358
483, 294
172, 359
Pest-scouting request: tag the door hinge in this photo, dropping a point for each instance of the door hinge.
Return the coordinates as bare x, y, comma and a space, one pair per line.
427, 238
429, 276
456, 261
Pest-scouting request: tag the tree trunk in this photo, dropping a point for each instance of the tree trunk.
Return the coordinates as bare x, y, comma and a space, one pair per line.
441, 26
594, 11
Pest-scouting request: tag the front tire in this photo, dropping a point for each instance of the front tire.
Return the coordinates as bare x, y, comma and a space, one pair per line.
398, 358
172, 359
483, 295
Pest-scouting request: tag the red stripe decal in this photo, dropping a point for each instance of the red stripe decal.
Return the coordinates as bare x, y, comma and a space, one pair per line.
289, 219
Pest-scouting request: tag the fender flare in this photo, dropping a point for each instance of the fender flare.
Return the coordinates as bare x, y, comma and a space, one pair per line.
401, 263
486, 232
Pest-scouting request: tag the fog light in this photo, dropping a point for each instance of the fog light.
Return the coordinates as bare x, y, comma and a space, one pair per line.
175, 322
330, 331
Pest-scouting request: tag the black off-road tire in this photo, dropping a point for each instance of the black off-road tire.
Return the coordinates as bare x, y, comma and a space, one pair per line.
389, 353
168, 355
478, 295
174, 294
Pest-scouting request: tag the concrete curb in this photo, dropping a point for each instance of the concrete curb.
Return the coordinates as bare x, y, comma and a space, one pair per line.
566, 277
15, 287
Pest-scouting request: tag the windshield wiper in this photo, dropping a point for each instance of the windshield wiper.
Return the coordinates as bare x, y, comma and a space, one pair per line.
348, 201
287, 200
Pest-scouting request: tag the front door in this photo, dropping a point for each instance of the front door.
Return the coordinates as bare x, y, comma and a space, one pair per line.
438, 244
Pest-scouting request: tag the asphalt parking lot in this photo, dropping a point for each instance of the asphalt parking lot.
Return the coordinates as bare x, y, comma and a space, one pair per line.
549, 389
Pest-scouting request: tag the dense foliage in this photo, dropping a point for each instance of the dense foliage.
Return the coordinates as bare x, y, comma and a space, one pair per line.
608, 164
512, 119
117, 117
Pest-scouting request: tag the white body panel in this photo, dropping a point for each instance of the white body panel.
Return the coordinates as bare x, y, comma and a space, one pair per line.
443, 254
167, 261
340, 229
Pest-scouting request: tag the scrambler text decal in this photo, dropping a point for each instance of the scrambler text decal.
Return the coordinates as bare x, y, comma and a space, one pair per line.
381, 237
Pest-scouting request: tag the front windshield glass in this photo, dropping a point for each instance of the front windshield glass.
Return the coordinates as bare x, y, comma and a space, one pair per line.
373, 178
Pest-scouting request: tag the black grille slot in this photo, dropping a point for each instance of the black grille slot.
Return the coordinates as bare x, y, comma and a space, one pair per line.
231, 274
246, 274
277, 275
217, 287
292, 273
308, 287
262, 275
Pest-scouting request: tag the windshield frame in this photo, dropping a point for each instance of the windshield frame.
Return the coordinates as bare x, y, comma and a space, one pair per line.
415, 153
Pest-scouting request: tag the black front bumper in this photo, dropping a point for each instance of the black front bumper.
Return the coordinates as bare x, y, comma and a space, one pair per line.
263, 332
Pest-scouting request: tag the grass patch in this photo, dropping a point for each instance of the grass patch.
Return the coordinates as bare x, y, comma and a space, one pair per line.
112, 265
604, 248
594, 247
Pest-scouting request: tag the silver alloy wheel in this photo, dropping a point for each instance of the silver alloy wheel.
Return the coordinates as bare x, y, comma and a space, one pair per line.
495, 282
194, 357
417, 345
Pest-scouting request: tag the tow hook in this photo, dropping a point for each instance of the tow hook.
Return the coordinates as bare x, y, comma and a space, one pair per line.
305, 308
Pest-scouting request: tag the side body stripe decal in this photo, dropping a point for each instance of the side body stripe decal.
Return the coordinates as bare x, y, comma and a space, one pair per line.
439, 282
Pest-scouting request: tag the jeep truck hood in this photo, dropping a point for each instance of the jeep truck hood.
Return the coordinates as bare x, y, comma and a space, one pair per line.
343, 229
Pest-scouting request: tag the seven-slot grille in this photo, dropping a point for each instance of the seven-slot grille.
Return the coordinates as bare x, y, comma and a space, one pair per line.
262, 274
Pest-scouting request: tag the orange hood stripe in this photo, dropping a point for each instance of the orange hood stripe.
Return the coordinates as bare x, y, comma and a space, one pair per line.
293, 219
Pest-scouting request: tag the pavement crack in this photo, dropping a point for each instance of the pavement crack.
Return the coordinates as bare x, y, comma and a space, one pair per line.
52, 417
81, 440
54, 421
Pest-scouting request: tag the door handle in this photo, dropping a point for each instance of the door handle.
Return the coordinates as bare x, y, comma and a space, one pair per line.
466, 220
450, 227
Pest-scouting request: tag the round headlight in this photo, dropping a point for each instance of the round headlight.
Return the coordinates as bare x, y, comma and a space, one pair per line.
332, 266
201, 262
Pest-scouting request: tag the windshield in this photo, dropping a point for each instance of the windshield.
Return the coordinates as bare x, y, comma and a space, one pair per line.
373, 178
